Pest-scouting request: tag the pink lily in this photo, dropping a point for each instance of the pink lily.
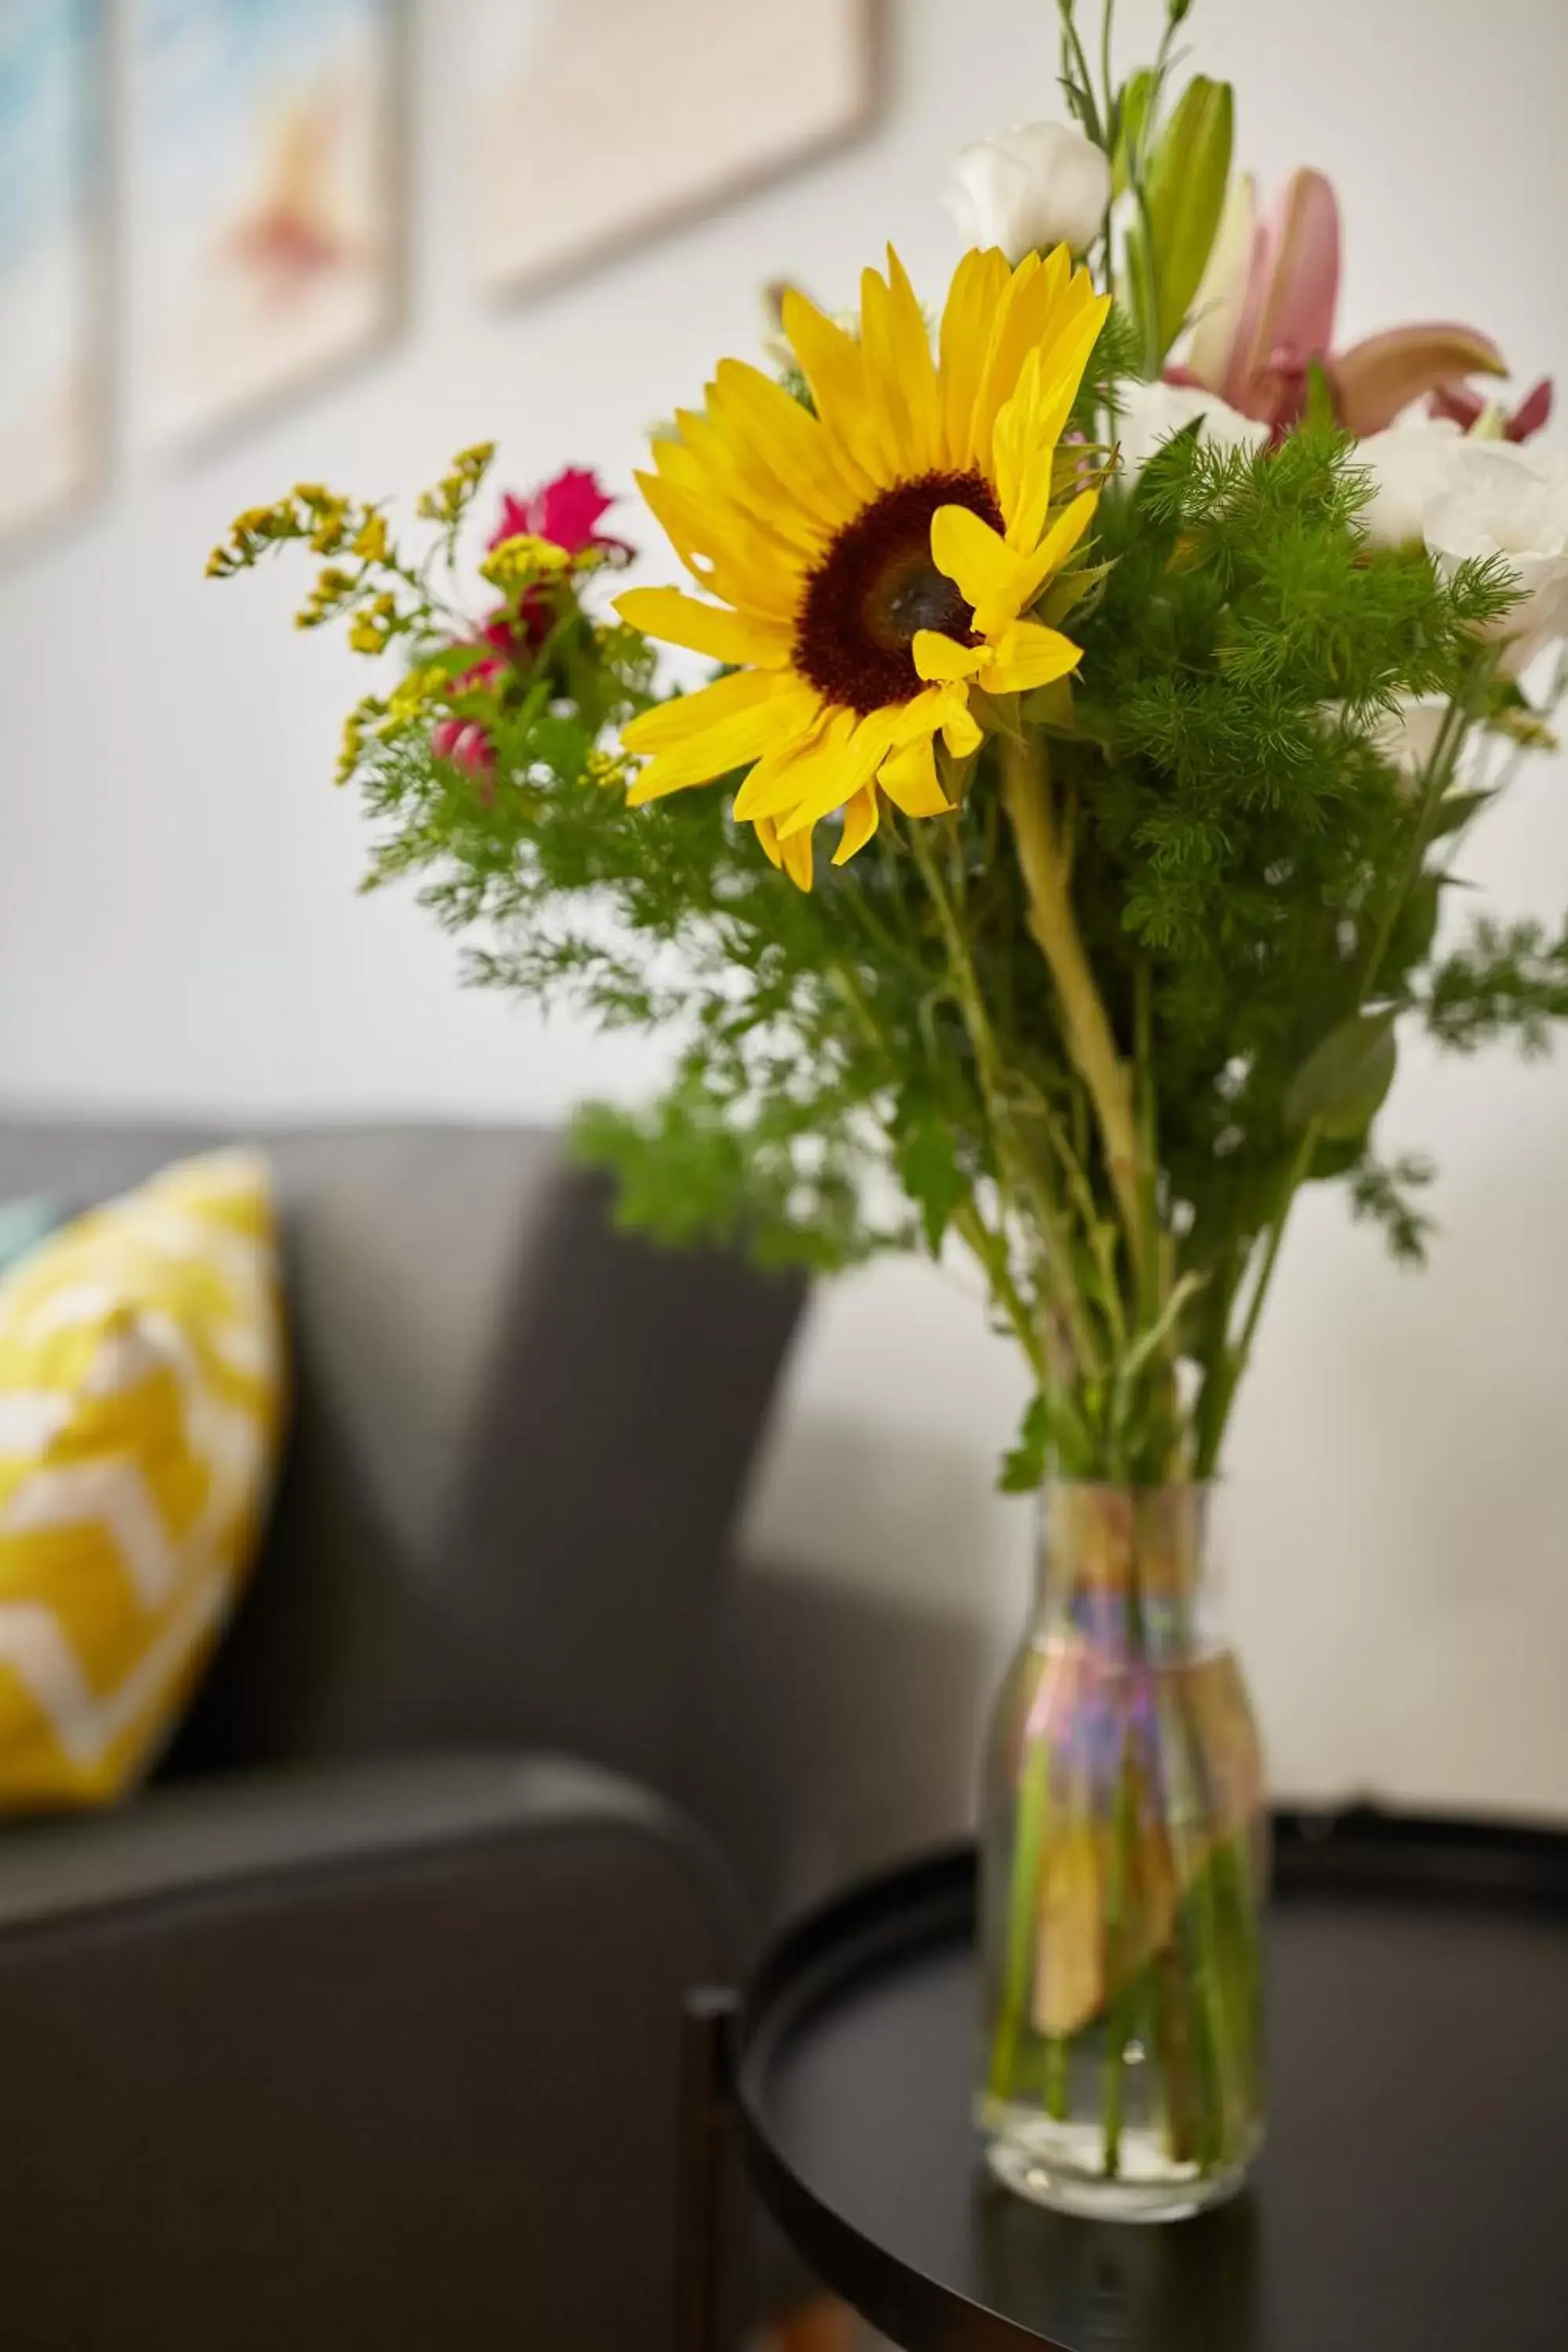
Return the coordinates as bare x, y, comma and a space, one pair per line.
1266, 317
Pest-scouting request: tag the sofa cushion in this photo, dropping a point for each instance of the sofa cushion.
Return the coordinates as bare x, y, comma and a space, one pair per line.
140, 1398
518, 1443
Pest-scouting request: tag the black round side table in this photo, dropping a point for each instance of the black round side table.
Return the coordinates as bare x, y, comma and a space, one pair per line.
1410, 2197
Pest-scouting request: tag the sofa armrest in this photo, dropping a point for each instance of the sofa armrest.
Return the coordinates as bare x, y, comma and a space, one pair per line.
375, 2055
840, 1729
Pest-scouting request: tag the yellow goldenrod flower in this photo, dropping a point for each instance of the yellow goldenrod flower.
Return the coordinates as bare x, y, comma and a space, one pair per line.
517, 561
351, 749
873, 562
372, 540
417, 690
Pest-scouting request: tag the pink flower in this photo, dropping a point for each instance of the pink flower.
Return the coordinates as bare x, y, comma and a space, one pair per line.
1466, 409
1266, 318
564, 511
467, 745
490, 669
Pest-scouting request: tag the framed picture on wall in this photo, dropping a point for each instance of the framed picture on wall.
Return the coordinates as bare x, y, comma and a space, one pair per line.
52, 356
264, 207
594, 122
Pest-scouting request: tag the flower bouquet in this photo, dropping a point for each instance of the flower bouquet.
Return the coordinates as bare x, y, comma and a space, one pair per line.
1105, 677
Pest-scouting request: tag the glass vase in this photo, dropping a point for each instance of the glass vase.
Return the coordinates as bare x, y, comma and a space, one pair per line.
1123, 1860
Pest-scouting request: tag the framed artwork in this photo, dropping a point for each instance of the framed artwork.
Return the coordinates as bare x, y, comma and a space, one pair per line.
596, 121
52, 357
262, 199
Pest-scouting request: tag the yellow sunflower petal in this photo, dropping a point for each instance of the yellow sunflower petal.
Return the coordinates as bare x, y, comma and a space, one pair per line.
723, 555
1034, 571
937, 657
1020, 462
1040, 297
967, 320
766, 424
794, 856
991, 576
1031, 422
923, 714
1012, 319
976, 559
690, 714
700, 735
789, 778
1048, 309
961, 730
678, 619
702, 516
1065, 533
842, 777
885, 425
1062, 363
1029, 655
782, 774
833, 365
909, 778
706, 460
861, 816
898, 366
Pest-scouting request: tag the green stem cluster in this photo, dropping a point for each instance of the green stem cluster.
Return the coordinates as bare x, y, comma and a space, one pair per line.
1155, 1901
1080, 1263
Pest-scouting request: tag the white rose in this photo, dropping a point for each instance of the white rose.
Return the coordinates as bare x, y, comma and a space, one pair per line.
1468, 497
1152, 413
1410, 465
1040, 185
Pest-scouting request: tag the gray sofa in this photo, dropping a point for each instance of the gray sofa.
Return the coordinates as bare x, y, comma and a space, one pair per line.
359, 2026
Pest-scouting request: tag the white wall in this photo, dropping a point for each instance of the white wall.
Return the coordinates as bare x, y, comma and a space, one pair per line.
178, 927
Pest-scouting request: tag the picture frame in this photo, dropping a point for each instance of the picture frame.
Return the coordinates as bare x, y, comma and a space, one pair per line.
264, 211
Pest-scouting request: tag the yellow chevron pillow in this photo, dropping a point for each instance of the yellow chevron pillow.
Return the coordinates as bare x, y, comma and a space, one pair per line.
141, 1395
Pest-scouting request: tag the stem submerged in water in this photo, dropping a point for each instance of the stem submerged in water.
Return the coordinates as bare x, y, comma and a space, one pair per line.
1022, 1918
1127, 1990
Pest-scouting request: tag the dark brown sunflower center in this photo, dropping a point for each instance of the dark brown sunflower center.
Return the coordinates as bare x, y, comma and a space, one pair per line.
877, 585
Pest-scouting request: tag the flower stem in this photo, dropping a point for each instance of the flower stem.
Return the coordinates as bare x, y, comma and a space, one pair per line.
1089, 1032
1120, 1922
1017, 1169
1439, 776
1023, 1897
991, 1250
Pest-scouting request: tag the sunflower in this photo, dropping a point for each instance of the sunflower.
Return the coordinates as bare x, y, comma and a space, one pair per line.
874, 561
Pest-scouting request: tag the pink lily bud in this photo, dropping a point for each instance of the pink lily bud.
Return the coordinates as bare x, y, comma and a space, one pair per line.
1288, 311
